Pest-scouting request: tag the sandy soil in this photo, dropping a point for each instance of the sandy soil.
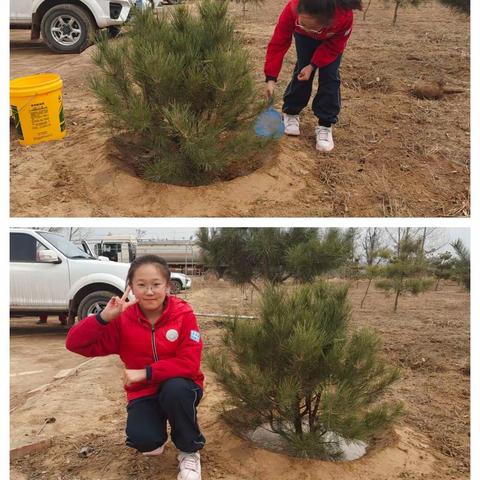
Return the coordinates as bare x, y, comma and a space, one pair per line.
428, 338
395, 155
37, 355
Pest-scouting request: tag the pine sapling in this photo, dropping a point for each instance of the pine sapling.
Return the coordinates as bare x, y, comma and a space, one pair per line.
461, 264
178, 91
257, 255
441, 267
406, 270
300, 372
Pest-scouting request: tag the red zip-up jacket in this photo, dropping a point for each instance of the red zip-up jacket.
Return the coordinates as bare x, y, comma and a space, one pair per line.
334, 39
170, 348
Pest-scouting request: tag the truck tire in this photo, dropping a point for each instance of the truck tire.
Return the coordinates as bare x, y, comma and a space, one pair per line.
175, 286
93, 303
68, 28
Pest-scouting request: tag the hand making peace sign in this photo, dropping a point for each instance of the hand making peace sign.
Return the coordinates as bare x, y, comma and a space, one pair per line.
116, 306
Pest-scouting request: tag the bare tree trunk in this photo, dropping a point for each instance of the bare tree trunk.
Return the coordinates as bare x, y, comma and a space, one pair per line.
396, 301
297, 423
397, 4
366, 292
436, 286
366, 10
424, 239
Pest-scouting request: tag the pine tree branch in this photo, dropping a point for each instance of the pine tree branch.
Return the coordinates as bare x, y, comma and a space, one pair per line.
318, 397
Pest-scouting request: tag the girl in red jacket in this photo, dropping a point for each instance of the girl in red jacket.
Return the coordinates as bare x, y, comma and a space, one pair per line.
321, 29
157, 338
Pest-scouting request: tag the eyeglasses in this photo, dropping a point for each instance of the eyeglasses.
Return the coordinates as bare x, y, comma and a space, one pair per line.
156, 287
298, 24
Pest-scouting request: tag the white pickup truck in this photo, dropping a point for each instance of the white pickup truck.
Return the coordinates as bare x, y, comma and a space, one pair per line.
68, 26
51, 275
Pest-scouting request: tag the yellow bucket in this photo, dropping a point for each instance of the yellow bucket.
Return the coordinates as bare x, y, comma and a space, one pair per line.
37, 108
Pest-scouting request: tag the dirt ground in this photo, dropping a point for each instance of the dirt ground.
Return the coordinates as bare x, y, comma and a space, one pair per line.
35, 363
428, 337
395, 155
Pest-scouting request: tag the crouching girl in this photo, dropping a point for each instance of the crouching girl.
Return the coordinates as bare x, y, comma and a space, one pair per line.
157, 338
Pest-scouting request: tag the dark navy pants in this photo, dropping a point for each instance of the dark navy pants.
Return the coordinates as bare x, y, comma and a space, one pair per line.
176, 401
327, 101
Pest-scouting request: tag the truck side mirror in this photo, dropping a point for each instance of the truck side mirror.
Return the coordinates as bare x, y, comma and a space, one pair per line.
48, 256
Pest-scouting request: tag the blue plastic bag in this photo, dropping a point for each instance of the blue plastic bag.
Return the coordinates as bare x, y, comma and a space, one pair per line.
269, 124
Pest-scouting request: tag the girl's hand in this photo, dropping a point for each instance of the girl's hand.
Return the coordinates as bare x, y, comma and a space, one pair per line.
270, 89
116, 306
134, 376
305, 73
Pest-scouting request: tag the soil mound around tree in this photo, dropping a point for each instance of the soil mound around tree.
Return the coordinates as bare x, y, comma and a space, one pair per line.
124, 152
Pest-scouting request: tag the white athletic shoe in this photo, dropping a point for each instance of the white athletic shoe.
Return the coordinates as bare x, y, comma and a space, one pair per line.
157, 451
324, 138
292, 124
189, 465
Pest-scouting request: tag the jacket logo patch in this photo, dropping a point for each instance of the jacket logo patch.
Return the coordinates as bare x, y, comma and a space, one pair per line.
194, 335
172, 335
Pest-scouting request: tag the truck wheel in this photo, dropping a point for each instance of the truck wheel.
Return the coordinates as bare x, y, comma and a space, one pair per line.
67, 28
93, 303
175, 286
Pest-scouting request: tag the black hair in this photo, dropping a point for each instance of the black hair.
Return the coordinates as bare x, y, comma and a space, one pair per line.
325, 9
148, 260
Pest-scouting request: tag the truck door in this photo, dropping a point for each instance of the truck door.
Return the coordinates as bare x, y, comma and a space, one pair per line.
21, 11
35, 285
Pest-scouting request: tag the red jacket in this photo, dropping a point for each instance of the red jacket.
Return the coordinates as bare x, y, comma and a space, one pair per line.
170, 348
335, 38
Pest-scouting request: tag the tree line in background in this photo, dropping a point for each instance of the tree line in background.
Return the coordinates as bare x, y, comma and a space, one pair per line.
401, 261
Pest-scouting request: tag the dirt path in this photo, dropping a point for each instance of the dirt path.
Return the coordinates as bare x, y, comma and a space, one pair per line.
395, 155
37, 355
428, 338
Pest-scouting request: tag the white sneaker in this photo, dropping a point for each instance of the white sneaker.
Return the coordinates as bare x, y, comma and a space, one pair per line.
157, 451
292, 124
324, 138
189, 465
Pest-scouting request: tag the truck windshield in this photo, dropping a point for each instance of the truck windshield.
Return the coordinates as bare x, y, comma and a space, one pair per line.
65, 246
